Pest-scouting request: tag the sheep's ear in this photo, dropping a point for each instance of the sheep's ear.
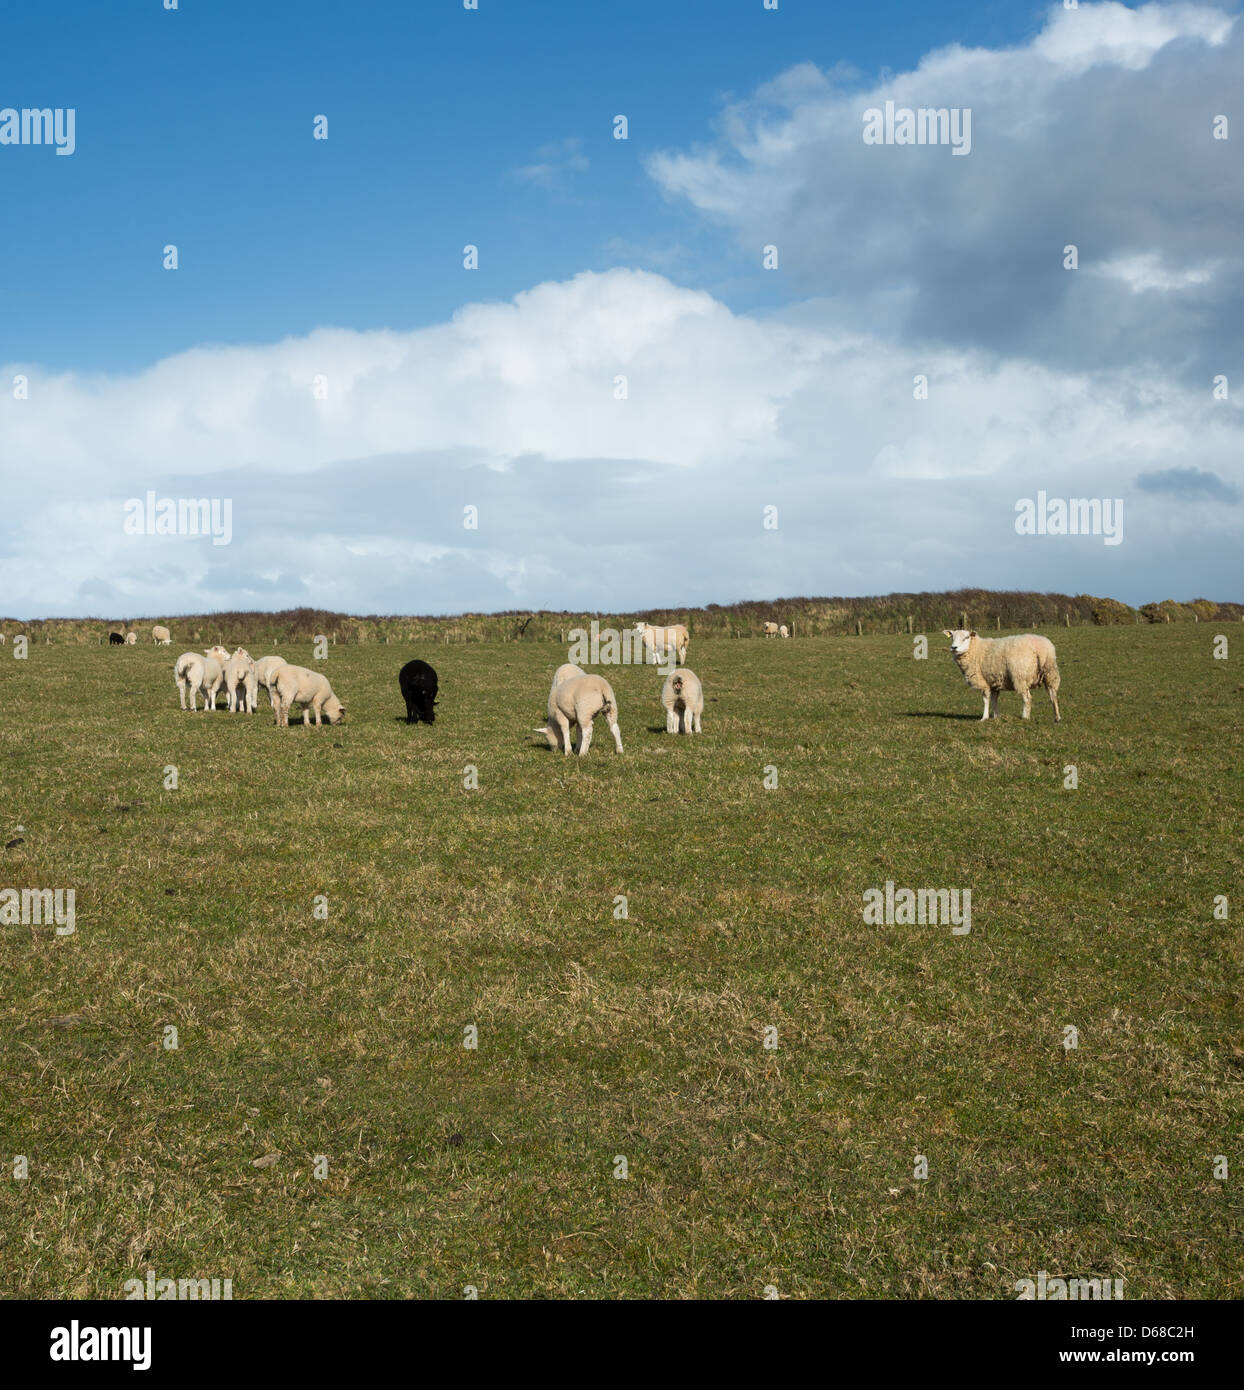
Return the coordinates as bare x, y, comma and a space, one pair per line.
971, 634
946, 632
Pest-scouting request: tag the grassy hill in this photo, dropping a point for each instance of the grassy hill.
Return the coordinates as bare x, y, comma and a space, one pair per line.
806, 617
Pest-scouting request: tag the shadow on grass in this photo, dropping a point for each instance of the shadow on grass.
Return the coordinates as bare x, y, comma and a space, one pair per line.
937, 714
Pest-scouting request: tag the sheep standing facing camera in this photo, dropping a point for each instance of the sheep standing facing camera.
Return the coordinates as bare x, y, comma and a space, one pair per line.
991, 665
683, 698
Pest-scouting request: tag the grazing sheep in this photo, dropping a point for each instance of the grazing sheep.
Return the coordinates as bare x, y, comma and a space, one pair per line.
578, 701
311, 690
417, 682
993, 664
565, 671
683, 698
662, 640
241, 683
3, 639
131, 639
116, 639
783, 631
194, 673
771, 629
161, 636
265, 674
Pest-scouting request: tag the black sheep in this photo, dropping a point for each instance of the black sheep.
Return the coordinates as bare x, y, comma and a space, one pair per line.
418, 682
115, 639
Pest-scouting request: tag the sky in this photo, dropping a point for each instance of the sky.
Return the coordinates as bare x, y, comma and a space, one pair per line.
743, 353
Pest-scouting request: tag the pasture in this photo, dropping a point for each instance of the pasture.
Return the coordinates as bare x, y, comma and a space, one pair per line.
643, 1037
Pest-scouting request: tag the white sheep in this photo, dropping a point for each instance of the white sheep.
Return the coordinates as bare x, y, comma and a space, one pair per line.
131, 639
771, 629
660, 640
783, 631
683, 698
311, 690
241, 683
578, 701
161, 636
3, 639
993, 664
265, 674
565, 671
220, 653
195, 673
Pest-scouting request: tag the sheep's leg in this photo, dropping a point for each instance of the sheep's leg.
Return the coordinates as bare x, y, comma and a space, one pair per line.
617, 736
563, 729
988, 695
1027, 697
585, 733
670, 721
697, 723
181, 691
1054, 702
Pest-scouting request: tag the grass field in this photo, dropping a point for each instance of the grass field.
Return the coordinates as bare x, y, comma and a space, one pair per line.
597, 1037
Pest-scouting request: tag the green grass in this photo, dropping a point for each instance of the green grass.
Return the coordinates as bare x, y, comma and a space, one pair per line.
641, 1037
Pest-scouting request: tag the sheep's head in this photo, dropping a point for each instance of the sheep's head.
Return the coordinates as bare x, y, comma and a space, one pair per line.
960, 640
333, 710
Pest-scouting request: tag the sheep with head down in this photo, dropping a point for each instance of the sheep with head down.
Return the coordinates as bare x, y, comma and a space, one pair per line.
577, 700
311, 690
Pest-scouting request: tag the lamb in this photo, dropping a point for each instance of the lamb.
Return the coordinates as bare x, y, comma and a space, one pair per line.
194, 673
3, 639
265, 674
310, 689
660, 640
565, 671
417, 682
993, 664
131, 639
241, 683
115, 639
771, 629
683, 698
579, 700
220, 653
783, 631
161, 636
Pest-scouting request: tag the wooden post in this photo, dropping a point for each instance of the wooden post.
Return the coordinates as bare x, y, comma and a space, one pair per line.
859, 628
963, 621
909, 624
997, 624
1067, 619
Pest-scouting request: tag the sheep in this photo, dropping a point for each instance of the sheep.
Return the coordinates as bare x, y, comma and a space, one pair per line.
993, 664
565, 671
161, 636
783, 631
265, 674
417, 682
579, 700
771, 629
660, 640
682, 695
194, 673
131, 639
220, 653
3, 639
310, 689
241, 683
116, 639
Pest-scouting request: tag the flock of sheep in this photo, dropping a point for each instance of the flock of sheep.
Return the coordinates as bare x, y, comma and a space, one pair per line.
989, 665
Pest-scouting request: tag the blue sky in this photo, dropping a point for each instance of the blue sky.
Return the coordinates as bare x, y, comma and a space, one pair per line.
342, 259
